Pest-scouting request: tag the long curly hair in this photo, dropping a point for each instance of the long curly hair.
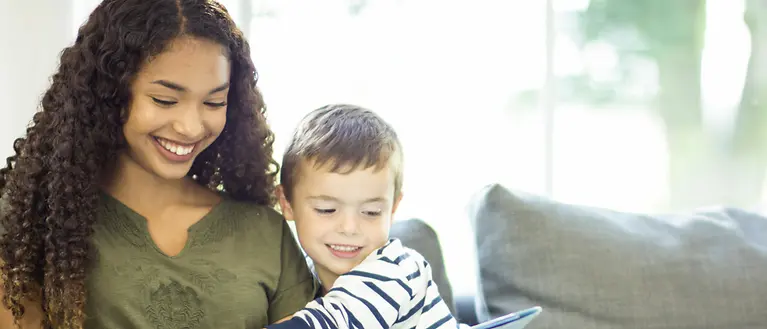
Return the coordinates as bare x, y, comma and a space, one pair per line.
50, 187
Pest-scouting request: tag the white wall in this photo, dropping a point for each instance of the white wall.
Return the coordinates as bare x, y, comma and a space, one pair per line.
32, 34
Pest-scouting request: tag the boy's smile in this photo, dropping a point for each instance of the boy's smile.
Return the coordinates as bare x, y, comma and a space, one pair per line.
344, 251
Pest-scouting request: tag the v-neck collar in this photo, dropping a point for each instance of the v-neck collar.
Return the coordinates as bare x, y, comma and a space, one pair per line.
139, 222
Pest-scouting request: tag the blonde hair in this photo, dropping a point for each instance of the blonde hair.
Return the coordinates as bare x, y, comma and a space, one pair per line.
347, 137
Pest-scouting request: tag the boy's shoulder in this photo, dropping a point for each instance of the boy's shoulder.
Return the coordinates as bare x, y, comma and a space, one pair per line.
395, 255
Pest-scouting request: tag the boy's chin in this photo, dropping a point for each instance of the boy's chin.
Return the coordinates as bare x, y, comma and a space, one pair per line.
338, 268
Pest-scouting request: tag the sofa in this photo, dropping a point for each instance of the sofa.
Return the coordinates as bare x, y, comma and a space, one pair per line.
598, 268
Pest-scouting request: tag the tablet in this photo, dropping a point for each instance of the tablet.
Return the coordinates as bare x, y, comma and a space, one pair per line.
516, 320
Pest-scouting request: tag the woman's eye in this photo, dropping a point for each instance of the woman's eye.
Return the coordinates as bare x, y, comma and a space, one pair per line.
212, 104
324, 211
163, 103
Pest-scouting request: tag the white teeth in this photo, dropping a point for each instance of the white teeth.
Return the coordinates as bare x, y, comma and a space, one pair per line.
343, 248
175, 148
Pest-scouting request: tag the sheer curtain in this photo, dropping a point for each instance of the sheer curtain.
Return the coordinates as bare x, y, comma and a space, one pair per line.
448, 75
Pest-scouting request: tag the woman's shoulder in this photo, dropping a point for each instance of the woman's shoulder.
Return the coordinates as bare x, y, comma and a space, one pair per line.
252, 210
249, 215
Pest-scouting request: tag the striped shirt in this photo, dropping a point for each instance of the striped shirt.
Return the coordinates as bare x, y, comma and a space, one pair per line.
391, 288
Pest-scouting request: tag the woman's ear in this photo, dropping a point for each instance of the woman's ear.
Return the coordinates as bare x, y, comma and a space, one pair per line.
287, 210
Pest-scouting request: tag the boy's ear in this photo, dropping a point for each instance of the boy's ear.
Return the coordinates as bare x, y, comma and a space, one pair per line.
395, 205
287, 210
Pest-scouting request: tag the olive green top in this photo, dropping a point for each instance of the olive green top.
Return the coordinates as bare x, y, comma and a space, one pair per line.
240, 268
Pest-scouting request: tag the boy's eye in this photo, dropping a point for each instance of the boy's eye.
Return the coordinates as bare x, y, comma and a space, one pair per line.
372, 213
163, 103
322, 211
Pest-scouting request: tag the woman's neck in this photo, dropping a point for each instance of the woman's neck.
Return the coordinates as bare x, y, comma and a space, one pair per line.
136, 187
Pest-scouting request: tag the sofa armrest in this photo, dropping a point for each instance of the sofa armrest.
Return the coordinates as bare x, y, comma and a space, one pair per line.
465, 309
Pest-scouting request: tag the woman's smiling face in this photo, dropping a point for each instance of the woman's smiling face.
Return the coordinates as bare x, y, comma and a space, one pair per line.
178, 106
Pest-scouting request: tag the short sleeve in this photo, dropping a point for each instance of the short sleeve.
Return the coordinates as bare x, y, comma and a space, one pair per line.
296, 286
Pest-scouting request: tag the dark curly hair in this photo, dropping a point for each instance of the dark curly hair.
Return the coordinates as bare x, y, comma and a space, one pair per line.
51, 185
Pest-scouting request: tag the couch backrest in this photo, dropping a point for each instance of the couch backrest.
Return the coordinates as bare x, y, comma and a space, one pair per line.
598, 269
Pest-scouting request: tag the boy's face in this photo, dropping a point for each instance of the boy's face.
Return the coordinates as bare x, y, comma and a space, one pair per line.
340, 218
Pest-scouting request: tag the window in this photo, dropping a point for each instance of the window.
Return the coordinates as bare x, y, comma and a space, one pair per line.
446, 74
649, 114
622, 104
644, 106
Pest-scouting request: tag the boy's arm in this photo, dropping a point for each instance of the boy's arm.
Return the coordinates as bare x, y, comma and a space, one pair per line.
370, 297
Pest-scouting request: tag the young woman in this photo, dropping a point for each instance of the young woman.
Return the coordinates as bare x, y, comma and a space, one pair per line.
141, 195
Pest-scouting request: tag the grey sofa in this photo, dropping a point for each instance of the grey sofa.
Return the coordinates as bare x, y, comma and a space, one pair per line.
596, 268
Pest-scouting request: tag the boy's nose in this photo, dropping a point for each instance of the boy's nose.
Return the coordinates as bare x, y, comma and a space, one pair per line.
349, 225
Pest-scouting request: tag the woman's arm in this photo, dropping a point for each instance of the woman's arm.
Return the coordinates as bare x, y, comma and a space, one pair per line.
33, 317
296, 285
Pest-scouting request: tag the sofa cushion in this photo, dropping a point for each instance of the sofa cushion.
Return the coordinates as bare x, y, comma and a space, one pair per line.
419, 236
596, 268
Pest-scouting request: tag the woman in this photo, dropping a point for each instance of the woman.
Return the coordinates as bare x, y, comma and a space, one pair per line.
141, 195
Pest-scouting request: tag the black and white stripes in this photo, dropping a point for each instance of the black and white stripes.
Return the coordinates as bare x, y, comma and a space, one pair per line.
391, 288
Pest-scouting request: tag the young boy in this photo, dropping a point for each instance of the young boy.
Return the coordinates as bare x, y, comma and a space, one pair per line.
341, 182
